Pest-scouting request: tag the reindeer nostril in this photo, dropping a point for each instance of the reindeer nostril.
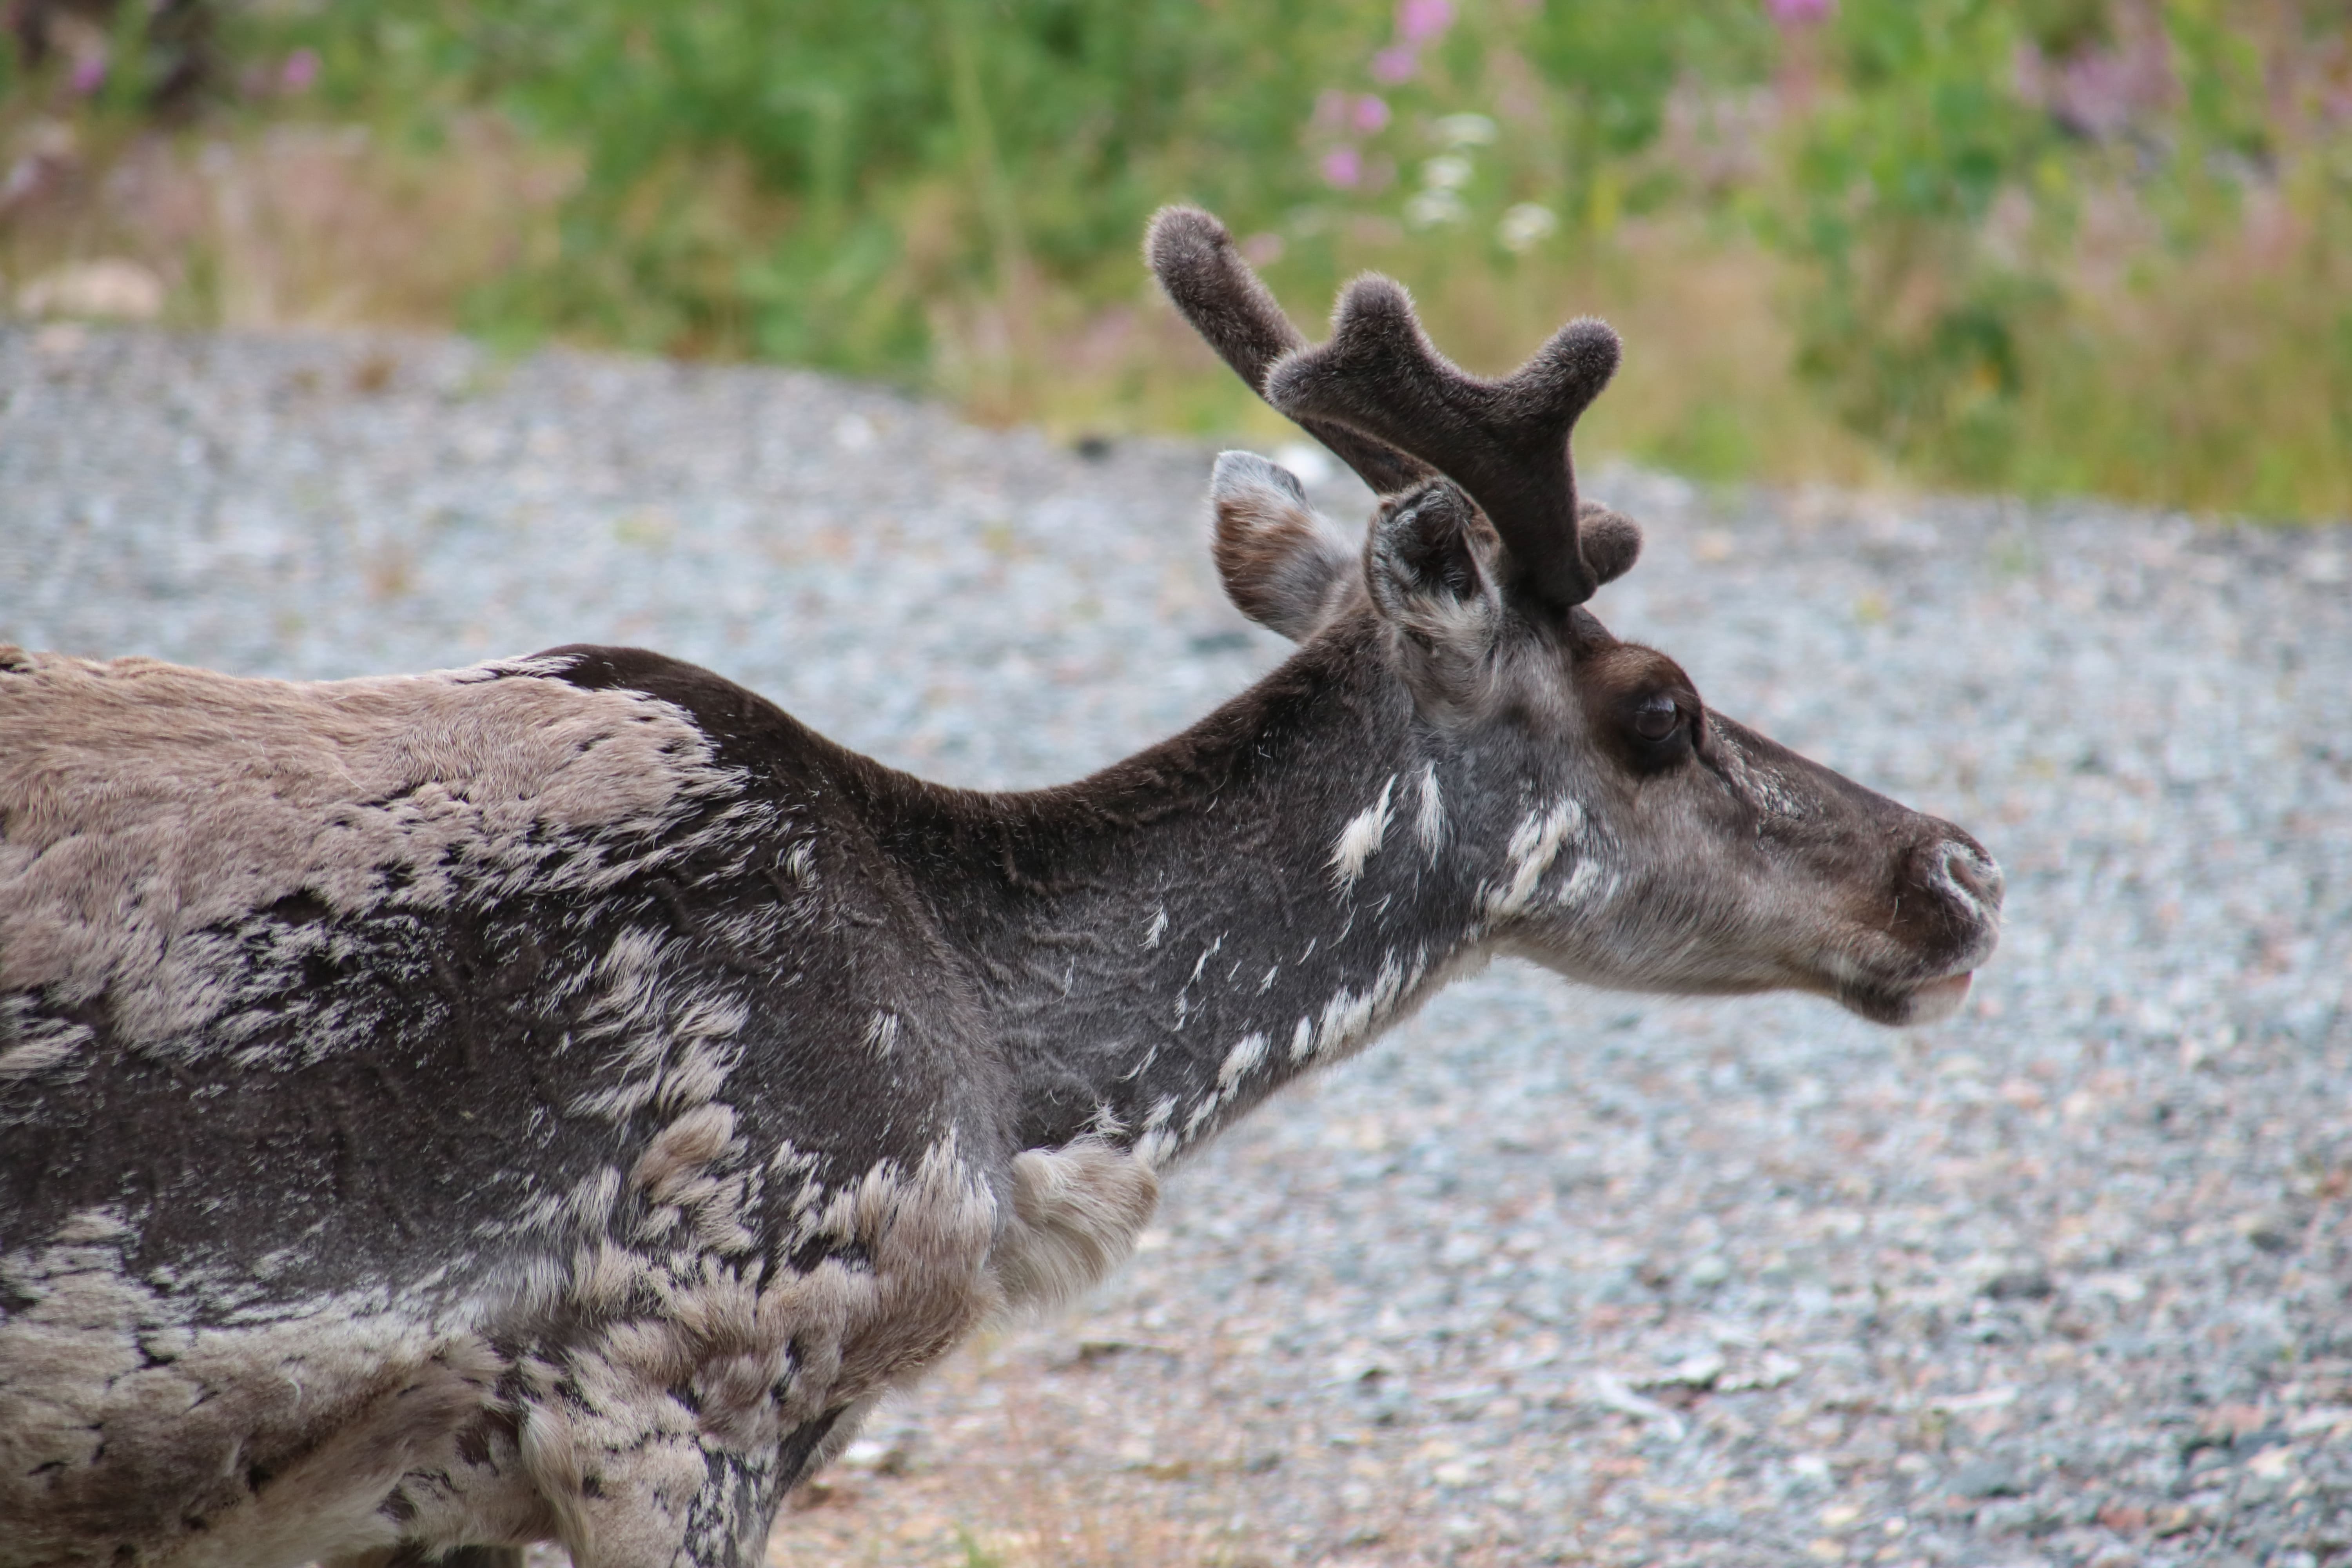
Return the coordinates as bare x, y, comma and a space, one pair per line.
1974, 873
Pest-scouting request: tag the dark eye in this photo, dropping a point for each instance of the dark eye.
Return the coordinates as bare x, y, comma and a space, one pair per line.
1656, 717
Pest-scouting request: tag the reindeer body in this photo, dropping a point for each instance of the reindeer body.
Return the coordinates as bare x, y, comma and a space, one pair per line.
612, 971
554, 1099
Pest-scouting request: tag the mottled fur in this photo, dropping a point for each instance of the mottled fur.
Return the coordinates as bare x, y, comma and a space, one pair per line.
150, 806
557, 1099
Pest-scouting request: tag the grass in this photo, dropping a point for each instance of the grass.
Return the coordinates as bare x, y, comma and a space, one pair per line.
1877, 243
299, 224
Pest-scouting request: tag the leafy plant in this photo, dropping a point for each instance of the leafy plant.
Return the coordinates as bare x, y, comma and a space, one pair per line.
1916, 327
2036, 244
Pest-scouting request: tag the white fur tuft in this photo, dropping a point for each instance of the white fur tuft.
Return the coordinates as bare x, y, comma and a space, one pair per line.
1360, 839
1429, 822
1075, 1212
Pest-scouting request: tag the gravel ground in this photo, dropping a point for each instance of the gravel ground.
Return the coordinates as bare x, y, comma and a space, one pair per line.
1550, 1275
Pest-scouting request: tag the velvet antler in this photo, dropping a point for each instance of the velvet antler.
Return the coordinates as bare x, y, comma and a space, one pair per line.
1207, 278
1504, 442
1398, 412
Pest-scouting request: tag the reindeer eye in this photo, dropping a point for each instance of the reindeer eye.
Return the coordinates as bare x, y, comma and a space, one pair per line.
1656, 717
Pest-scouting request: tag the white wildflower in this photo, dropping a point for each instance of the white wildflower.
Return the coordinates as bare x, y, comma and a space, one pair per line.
1449, 173
1464, 131
1430, 209
1527, 225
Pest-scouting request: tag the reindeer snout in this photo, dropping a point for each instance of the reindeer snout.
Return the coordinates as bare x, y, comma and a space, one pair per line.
1961, 922
1962, 864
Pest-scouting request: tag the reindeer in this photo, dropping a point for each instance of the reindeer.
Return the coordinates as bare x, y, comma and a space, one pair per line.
555, 1099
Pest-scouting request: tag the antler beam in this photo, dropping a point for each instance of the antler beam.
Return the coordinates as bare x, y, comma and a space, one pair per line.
1504, 442
1194, 256
1398, 412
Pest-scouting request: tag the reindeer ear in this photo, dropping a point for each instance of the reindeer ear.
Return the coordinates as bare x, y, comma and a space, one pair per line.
1430, 564
1283, 564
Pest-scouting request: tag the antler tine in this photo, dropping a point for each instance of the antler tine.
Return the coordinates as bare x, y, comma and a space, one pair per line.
1194, 256
1504, 442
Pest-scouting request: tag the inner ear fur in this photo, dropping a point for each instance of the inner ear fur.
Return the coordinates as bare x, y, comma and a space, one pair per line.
1285, 565
1430, 564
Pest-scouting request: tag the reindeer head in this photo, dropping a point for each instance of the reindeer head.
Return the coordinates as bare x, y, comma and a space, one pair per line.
1706, 858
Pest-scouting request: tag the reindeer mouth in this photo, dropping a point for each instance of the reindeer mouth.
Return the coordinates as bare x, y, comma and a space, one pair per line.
1928, 1002
1961, 933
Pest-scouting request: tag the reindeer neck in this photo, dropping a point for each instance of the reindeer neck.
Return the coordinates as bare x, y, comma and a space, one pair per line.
1162, 945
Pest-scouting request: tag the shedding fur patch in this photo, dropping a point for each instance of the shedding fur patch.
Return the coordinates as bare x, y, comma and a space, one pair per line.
148, 808
1360, 839
1351, 1017
684, 1178
1429, 821
1075, 1213
1534, 844
761, 1349
123, 1421
1242, 1060
673, 1040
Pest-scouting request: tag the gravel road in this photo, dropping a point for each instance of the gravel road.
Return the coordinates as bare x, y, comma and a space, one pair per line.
1550, 1276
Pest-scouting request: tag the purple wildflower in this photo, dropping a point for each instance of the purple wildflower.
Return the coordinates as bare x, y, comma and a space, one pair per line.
1343, 167
1419, 21
301, 68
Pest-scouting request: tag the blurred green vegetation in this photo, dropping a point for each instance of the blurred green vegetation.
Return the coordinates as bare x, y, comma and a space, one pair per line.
2032, 244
